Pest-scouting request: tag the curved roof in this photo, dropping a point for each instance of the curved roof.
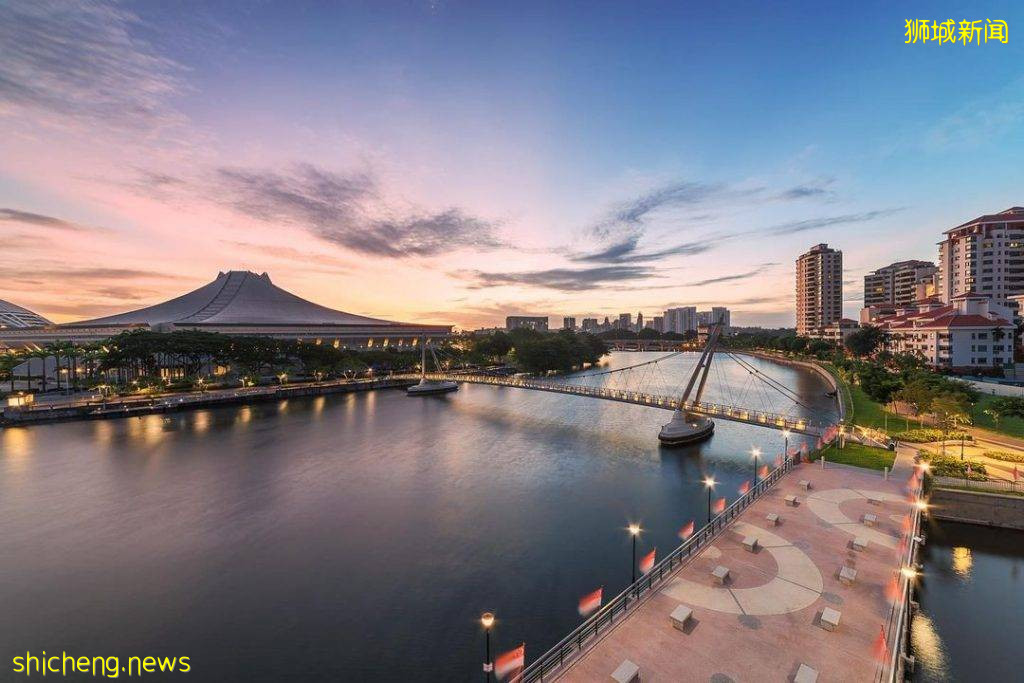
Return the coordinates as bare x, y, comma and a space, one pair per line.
12, 315
238, 297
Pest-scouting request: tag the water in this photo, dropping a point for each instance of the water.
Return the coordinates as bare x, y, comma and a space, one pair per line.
971, 596
348, 537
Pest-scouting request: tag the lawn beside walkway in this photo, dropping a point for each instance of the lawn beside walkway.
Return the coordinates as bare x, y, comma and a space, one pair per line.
1012, 426
859, 455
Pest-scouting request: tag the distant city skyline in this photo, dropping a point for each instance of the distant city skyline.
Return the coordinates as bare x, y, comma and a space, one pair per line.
458, 163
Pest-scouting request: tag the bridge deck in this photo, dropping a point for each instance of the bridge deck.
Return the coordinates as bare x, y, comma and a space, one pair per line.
765, 623
713, 410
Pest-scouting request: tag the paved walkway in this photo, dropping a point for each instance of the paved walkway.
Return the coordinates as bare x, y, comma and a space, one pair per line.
764, 622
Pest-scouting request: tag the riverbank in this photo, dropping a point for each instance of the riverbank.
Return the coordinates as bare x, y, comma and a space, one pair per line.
134, 407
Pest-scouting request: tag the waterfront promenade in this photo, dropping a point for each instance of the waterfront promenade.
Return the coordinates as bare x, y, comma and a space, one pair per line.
766, 620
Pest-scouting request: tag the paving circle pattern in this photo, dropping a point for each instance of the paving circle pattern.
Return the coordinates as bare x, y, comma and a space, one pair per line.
796, 584
825, 504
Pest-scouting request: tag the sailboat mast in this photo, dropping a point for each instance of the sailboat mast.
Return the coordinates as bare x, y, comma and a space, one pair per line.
423, 361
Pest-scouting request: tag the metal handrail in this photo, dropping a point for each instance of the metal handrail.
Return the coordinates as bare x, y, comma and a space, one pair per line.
583, 636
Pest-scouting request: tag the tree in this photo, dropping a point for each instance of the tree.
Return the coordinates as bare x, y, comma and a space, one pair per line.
864, 341
648, 333
918, 394
951, 410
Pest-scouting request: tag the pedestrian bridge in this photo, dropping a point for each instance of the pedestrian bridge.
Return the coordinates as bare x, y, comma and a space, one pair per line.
712, 410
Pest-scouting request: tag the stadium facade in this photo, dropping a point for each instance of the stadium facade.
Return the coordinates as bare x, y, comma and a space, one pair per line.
237, 302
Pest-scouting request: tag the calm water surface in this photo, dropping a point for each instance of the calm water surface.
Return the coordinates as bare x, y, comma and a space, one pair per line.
348, 537
972, 599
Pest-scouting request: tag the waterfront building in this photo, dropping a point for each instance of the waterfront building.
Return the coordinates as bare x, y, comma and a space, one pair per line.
984, 256
898, 284
969, 333
836, 332
236, 302
681, 320
568, 323
528, 322
625, 321
590, 324
658, 323
716, 314
819, 289
639, 321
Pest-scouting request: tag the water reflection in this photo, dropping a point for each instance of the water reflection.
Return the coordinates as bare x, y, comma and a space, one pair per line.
928, 647
962, 561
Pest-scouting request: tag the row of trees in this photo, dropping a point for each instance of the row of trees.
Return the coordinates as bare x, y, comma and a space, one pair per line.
143, 358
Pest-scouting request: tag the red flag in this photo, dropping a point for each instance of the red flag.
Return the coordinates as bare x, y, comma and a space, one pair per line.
880, 648
763, 472
803, 448
686, 531
892, 589
647, 562
719, 506
590, 602
744, 487
1016, 475
510, 662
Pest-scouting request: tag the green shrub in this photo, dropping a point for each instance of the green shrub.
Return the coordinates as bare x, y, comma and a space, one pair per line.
927, 435
946, 466
1004, 456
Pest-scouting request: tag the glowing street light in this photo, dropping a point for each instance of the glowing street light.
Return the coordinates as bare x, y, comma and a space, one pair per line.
785, 448
756, 453
709, 482
634, 531
487, 620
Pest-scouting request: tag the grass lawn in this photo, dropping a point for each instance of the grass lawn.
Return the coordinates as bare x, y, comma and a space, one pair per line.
1013, 426
859, 455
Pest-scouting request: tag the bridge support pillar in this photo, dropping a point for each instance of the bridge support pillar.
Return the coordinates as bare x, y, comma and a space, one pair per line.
686, 428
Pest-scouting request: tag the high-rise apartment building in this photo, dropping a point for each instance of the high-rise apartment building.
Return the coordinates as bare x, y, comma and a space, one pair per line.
590, 324
658, 323
897, 284
530, 322
625, 321
819, 288
717, 313
639, 321
986, 256
680, 320
568, 323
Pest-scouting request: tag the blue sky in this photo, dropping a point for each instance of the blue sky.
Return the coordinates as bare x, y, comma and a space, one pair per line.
459, 161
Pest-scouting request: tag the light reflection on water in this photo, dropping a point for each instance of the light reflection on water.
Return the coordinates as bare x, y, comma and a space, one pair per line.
345, 537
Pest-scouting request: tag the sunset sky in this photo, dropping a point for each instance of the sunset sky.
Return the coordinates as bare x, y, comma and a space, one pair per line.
455, 162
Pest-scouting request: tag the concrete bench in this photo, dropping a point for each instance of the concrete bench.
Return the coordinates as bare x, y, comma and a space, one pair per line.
805, 674
869, 520
720, 574
830, 619
791, 500
750, 544
860, 543
874, 500
680, 617
847, 575
805, 485
628, 672
772, 519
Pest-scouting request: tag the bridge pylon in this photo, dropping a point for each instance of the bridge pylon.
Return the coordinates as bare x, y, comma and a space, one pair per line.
687, 427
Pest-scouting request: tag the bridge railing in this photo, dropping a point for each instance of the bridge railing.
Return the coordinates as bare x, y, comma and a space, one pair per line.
585, 635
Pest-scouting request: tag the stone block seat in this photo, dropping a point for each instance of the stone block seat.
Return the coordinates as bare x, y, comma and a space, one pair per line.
750, 544
847, 575
805, 674
680, 617
874, 500
720, 574
830, 619
628, 672
805, 485
869, 519
859, 543
791, 500
772, 519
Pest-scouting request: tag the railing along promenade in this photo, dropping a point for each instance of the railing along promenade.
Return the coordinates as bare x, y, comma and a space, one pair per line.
755, 417
569, 648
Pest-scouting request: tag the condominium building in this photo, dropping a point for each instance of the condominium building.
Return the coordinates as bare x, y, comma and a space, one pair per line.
986, 256
568, 323
657, 323
897, 284
625, 321
590, 324
716, 314
639, 321
680, 320
968, 333
819, 289
530, 322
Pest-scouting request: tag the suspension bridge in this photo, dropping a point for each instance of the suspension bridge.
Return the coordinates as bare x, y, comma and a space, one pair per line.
648, 384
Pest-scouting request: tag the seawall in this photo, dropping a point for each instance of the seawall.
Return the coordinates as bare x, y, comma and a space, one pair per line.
978, 507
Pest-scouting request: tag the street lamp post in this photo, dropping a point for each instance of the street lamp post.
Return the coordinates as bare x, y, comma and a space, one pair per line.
487, 619
634, 531
785, 448
756, 452
709, 482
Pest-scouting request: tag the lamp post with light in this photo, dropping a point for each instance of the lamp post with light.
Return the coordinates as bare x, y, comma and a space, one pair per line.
634, 531
785, 448
756, 453
487, 619
709, 482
